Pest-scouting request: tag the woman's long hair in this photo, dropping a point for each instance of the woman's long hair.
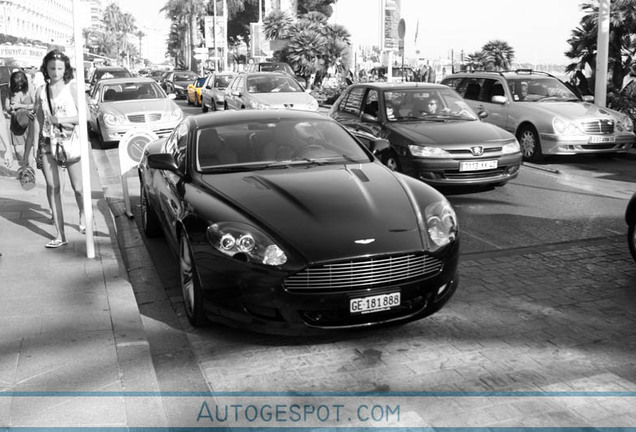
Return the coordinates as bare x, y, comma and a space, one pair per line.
57, 55
18, 82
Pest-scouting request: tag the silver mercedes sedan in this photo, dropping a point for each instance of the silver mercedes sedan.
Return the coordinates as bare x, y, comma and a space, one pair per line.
118, 105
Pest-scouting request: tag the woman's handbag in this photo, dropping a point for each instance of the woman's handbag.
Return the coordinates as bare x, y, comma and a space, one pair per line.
65, 145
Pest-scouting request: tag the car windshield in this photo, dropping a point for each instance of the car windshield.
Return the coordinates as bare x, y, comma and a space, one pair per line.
199, 82
131, 90
278, 83
535, 89
222, 81
428, 105
275, 143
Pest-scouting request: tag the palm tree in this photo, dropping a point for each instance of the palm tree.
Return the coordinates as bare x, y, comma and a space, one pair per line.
120, 24
499, 55
303, 50
185, 15
276, 25
476, 60
105, 44
622, 47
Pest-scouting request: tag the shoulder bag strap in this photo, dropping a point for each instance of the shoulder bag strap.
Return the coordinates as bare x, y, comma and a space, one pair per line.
48, 99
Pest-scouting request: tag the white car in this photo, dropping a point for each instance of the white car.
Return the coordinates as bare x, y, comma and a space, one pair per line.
118, 105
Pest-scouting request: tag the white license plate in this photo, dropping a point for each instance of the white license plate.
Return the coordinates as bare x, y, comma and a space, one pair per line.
375, 303
477, 165
595, 139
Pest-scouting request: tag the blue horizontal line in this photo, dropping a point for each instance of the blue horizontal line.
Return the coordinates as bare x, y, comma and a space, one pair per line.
317, 394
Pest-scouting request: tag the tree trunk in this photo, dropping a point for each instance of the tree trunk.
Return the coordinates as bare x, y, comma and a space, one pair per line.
193, 38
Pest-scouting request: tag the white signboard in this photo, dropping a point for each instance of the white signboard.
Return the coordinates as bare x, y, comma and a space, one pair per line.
131, 148
211, 29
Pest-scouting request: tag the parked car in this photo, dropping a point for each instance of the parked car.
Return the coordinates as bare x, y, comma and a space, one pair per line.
107, 72
545, 115
177, 82
118, 105
194, 91
156, 74
213, 92
444, 147
630, 218
268, 90
284, 223
270, 67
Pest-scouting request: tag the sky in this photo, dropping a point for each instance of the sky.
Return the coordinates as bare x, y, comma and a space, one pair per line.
536, 29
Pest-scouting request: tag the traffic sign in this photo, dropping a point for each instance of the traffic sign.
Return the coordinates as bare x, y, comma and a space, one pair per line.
131, 148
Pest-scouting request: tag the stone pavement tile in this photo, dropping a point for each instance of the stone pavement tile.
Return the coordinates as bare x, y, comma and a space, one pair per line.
9, 355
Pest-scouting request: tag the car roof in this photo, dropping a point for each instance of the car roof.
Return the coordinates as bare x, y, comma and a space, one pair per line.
127, 80
400, 85
264, 73
506, 74
205, 120
110, 68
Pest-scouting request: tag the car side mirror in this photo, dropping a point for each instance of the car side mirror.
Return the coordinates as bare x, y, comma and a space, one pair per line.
379, 145
235, 93
588, 98
163, 161
368, 118
172, 96
208, 86
499, 100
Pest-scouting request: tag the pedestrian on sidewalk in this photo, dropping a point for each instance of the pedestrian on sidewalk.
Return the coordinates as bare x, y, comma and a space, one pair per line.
56, 108
20, 104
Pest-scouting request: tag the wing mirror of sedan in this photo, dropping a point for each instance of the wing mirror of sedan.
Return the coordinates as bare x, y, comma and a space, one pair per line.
379, 145
588, 98
162, 161
172, 96
499, 100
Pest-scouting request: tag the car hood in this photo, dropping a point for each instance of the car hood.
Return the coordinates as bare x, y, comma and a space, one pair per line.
327, 213
572, 110
450, 132
142, 105
291, 100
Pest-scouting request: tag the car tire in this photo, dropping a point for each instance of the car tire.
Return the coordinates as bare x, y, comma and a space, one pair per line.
149, 219
390, 159
204, 107
213, 105
190, 283
530, 144
631, 240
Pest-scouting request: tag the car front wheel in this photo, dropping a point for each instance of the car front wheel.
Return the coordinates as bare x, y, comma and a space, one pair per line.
530, 144
190, 284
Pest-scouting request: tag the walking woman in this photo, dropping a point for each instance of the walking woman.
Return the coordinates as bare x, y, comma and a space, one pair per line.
20, 104
56, 108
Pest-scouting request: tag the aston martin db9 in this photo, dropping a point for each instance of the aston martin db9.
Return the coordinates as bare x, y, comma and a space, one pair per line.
285, 223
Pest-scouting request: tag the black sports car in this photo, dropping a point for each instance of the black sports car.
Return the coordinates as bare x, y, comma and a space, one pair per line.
285, 223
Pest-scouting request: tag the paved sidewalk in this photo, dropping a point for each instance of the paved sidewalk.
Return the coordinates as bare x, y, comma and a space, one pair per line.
67, 323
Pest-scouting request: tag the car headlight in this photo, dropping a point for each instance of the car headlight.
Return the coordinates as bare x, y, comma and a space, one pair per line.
512, 147
441, 224
428, 151
565, 127
624, 124
245, 243
176, 114
114, 120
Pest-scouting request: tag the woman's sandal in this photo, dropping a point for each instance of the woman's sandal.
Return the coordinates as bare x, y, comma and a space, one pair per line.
55, 244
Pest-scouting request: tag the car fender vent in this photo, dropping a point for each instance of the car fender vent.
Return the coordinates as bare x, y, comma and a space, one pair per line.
360, 174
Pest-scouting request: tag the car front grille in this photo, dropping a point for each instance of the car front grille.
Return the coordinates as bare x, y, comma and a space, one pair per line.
603, 126
144, 118
364, 273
